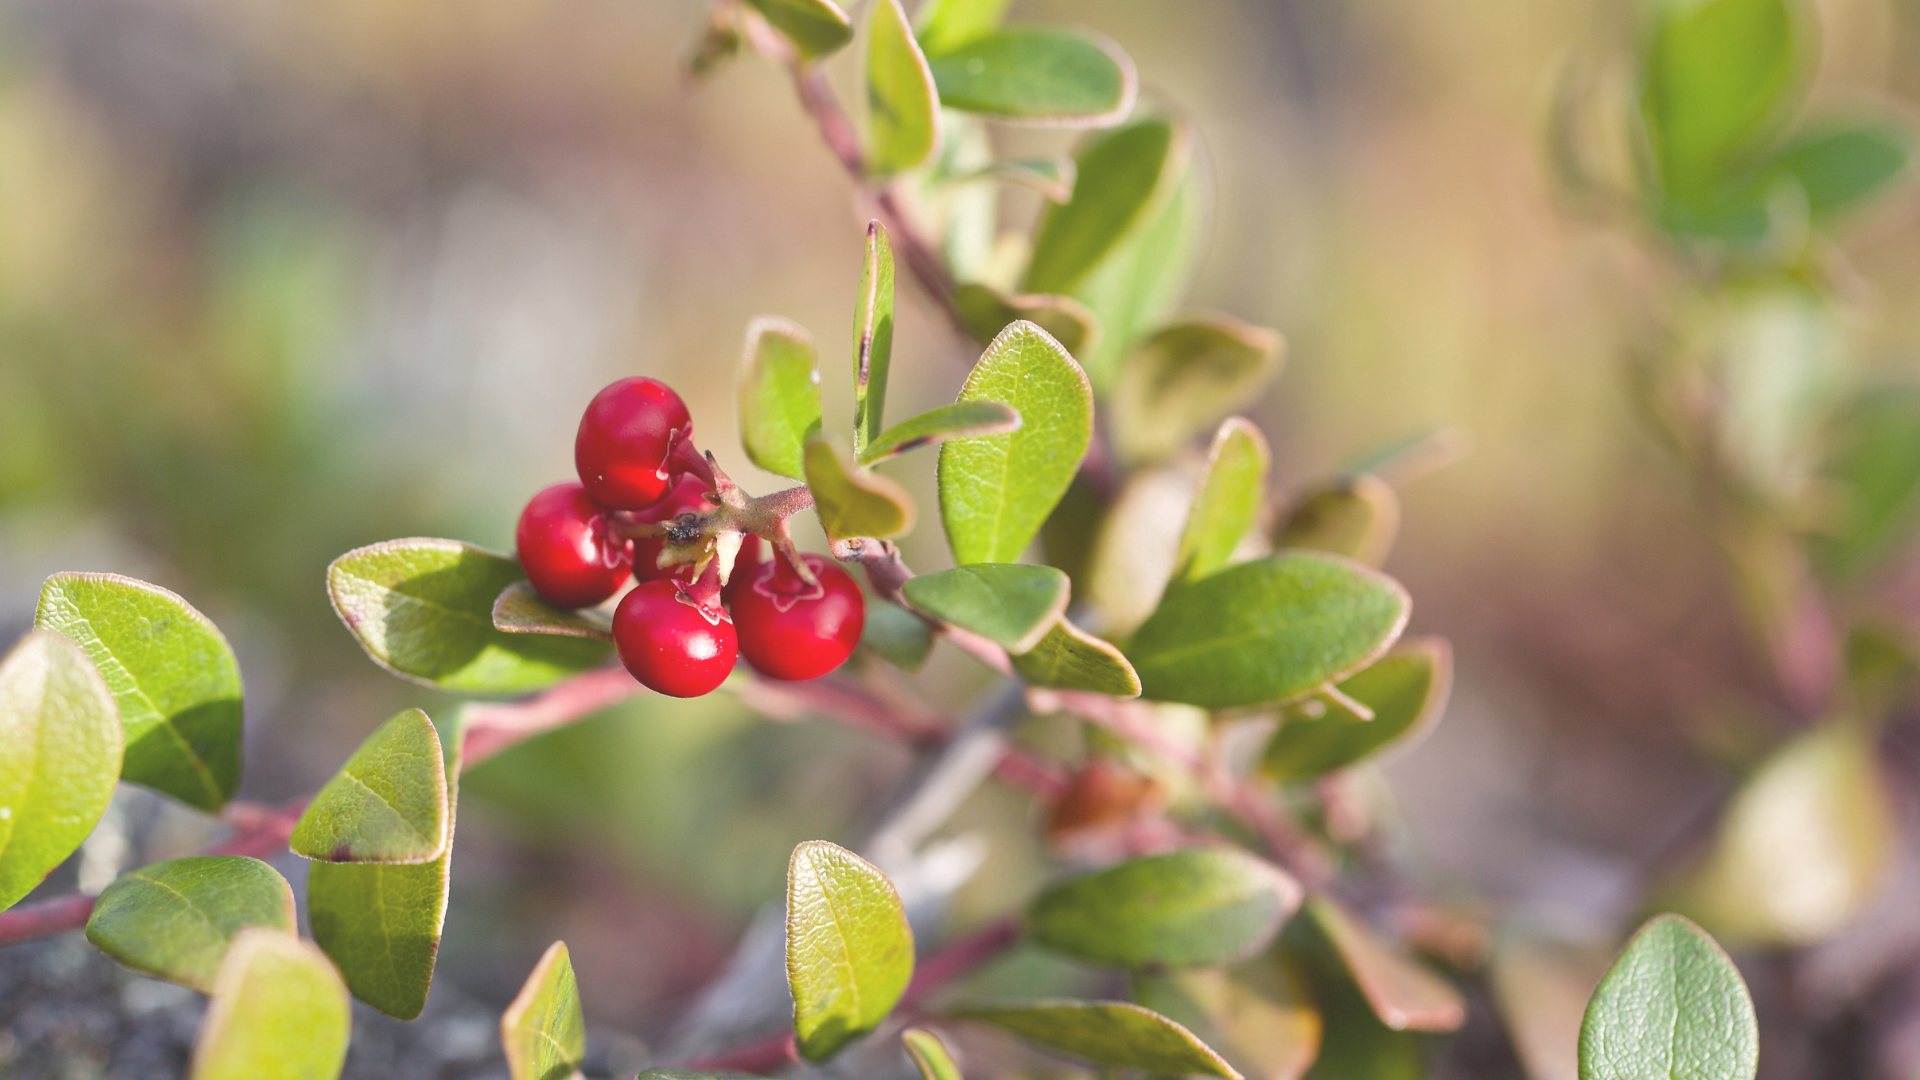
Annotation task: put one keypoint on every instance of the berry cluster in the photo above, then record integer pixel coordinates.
(649, 505)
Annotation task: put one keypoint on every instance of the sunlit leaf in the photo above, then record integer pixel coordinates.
(944, 24)
(278, 1013)
(850, 500)
(872, 338)
(1185, 378)
(903, 108)
(1671, 1005)
(1119, 180)
(987, 312)
(816, 27)
(1407, 691)
(543, 1032)
(896, 635)
(960, 420)
(174, 920)
(1011, 604)
(387, 804)
(172, 674)
(779, 395)
(849, 948)
(1037, 75)
(1269, 1032)
(521, 610)
(1069, 658)
(1355, 516)
(1115, 1033)
(1403, 993)
(1718, 74)
(1198, 907)
(930, 1055)
(1231, 493)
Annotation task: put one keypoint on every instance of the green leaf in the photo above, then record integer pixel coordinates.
(852, 501)
(946, 24)
(521, 610)
(1260, 1019)
(1115, 1033)
(1185, 378)
(987, 312)
(960, 420)
(1876, 475)
(1407, 691)
(849, 948)
(1135, 288)
(278, 1013)
(896, 635)
(60, 745)
(1037, 75)
(1267, 630)
(1673, 1005)
(542, 1031)
(171, 673)
(1355, 516)
(387, 804)
(1404, 995)
(903, 108)
(1118, 180)
(1841, 168)
(423, 609)
(1011, 604)
(1718, 75)
(1069, 658)
(1052, 177)
(930, 1055)
(779, 395)
(1353, 1041)
(174, 920)
(872, 338)
(996, 491)
(816, 27)
(1231, 493)
(1197, 907)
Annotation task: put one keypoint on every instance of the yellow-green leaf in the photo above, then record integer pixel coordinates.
(542, 1031)
(930, 1055)
(174, 920)
(872, 338)
(1069, 658)
(521, 610)
(960, 420)
(816, 27)
(1037, 75)
(1119, 179)
(1183, 379)
(1718, 76)
(1407, 691)
(1231, 492)
(943, 24)
(849, 948)
(1197, 907)
(779, 395)
(987, 312)
(1355, 516)
(278, 1012)
(903, 108)
(387, 804)
(1115, 1033)
(852, 501)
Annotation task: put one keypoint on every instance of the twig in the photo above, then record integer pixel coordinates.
(493, 728)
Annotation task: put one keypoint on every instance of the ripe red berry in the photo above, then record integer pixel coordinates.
(566, 550)
(689, 495)
(671, 644)
(791, 630)
(625, 437)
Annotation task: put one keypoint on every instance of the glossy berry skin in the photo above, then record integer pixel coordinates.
(670, 644)
(624, 440)
(565, 549)
(690, 494)
(790, 630)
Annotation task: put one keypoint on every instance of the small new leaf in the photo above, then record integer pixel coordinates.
(816, 27)
(872, 337)
(987, 312)
(903, 108)
(849, 948)
(1672, 1005)
(850, 500)
(930, 1055)
(60, 746)
(1404, 995)
(1069, 658)
(174, 920)
(1119, 179)
(278, 1012)
(387, 804)
(542, 1031)
(1355, 516)
(1184, 378)
(1199, 907)
(172, 675)
(1011, 604)
(521, 610)
(1407, 691)
(779, 395)
(960, 420)
(1038, 75)
(1228, 503)
(1114, 1033)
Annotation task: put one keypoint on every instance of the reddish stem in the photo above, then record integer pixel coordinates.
(493, 728)
(961, 958)
(44, 918)
(762, 1055)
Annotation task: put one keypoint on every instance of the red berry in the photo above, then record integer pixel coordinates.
(625, 437)
(671, 644)
(689, 495)
(791, 630)
(566, 550)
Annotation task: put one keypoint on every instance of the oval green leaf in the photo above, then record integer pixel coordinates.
(1185, 378)
(1718, 75)
(930, 1055)
(1011, 604)
(945, 24)
(1407, 691)
(1672, 1005)
(1069, 658)
(896, 635)
(872, 337)
(172, 674)
(1119, 180)
(779, 395)
(60, 745)
(520, 610)
(1267, 630)
(278, 1013)
(1037, 75)
(1355, 516)
(387, 804)
(849, 948)
(1198, 907)
(423, 609)
(1116, 1033)
(960, 420)
(987, 312)
(816, 27)
(903, 108)
(1232, 491)
(542, 1031)
(174, 920)
(852, 501)
(995, 492)
(1136, 287)
(1404, 995)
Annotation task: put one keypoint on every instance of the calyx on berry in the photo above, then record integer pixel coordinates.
(792, 628)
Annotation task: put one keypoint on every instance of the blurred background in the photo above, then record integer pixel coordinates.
(278, 280)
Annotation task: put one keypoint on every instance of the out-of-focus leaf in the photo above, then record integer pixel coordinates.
(387, 804)
(1355, 516)
(278, 1013)
(960, 420)
(930, 1055)
(1268, 1033)
(1406, 459)
(987, 312)
(1115, 1033)
(968, 213)
(850, 500)
(1266, 630)
(1882, 664)
(1843, 167)
(172, 674)
(896, 635)
(423, 609)
(543, 1032)
(521, 610)
(1069, 658)
(1718, 75)
(1198, 907)
(1673, 1004)
(1136, 288)
(1876, 472)
(996, 491)
(1038, 75)
(719, 42)
(1804, 846)
(1540, 990)
(946, 24)
(1185, 378)
(1067, 538)
(1051, 177)
(1407, 691)
(816, 27)
(1403, 993)
(1011, 604)
(173, 920)
(872, 338)
(903, 108)
(779, 395)
(60, 746)
(849, 948)
(1119, 180)
(1231, 491)
(1779, 356)
(1136, 547)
